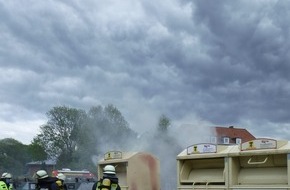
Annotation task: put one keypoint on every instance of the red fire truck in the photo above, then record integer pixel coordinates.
(75, 175)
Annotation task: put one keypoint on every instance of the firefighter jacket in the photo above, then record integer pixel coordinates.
(3, 186)
(48, 183)
(8, 183)
(61, 184)
(108, 182)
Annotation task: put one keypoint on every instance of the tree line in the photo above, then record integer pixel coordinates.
(76, 139)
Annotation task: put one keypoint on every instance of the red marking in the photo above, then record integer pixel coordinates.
(133, 186)
(151, 163)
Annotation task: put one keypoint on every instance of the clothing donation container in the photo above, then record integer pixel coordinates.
(260, 164)
(135, 170)
(203, 166)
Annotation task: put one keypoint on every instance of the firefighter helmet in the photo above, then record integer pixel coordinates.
(109, 169)
(61, 176)
(40, 174)
(6, 175)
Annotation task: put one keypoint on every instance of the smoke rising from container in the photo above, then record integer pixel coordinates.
(165, 147)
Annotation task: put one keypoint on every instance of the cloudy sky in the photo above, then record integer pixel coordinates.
(200, 62)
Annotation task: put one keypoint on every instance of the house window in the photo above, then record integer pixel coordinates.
(238, 140)
(213, 140)
(226, 140)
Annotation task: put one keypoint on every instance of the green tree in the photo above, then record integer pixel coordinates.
(36, 151)
(105, 129)
(117, 124)
(59, 135)
(13, 156)
(162, 140)
(163, 124)
(73, 136)
(109, 128)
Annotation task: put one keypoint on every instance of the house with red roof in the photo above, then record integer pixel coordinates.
(230, 135)
(33, 167)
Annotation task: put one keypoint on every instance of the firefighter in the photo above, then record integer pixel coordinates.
(109, 180)
(60, 181)
(45, 182)
(6, 182)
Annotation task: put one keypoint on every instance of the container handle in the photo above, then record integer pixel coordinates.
(261, 162)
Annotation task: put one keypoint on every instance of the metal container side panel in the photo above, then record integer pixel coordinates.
(125, 157)
(265, 176)
(102, 164)
(182, 153)
(121, 170)
(260, 152)
(260, 167)
(283, 147)
(222, 151)
(236, 151)
(202, 170)
(283, 144)
(144, 172)
(198, 168)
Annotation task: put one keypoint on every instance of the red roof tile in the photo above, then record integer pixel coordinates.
(233, 133)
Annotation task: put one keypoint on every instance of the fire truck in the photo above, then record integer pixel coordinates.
(75, 175)
(77, 179)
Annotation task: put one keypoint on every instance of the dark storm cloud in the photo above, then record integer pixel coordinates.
(222, 62)
(245, 75)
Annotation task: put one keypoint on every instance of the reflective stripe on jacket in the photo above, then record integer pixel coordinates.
(113, 186)
(3, 186)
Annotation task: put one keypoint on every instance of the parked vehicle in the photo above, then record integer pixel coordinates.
(75, 175)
